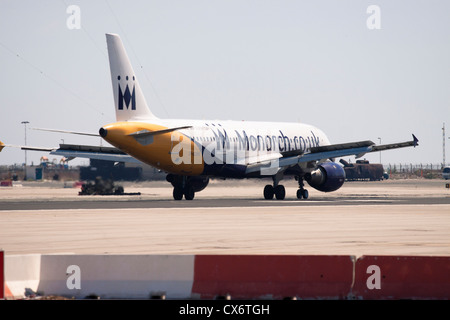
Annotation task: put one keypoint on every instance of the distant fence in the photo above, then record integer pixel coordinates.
(409, 167)
(424, 170)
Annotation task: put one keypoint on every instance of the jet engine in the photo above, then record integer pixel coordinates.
(329, 176)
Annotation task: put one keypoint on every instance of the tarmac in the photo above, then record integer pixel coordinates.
(392, 217)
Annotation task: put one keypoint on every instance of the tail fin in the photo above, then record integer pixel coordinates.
(129, 101)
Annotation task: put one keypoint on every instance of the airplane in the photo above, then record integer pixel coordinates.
(193, 151)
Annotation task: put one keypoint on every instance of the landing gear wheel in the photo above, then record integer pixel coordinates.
(268, 192)
(280, 192)
(305, 194)
(177, 193)
(189, 193)
(302, 194)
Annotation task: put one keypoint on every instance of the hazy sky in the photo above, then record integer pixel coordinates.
(315, 62)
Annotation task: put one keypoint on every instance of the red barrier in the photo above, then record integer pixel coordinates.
(6, 183)
(272, 276)
(2, 275)
(402, 277)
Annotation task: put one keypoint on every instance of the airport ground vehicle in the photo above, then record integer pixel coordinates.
(446, 173)
(363, 170)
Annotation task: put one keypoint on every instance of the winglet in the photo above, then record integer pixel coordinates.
(416, 141)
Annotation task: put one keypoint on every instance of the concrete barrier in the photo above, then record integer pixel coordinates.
(115, 276)
(402, 277)
(273, 276)
(22, 274)
(239, 276)
(106, 276)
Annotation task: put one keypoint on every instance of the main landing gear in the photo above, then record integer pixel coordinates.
(186, 186)
(187, 191)
(276, 190)
(181, 187)
(279, 191)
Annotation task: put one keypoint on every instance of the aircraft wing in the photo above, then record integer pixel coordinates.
(323, 153)
(357, 149)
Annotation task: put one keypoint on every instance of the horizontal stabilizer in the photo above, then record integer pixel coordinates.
(146, 133)
(72, 151)
(93, 152)
(70, 132)
(2, 145)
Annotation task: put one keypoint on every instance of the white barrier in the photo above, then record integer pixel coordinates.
(107, 276)
(22, 272)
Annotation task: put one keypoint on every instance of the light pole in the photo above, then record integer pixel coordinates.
(25, 167)
(443, 145)
(380, 151)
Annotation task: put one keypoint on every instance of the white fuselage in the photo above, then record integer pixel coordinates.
(251, 136)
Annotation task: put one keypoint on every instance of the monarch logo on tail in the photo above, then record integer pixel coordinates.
(127, 96)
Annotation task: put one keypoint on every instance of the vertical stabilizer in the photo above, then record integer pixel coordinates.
(129, 101)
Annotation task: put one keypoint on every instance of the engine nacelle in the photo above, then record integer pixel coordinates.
(330, 176)
(197, 182)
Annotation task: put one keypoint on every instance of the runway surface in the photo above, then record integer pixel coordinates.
(394, 217)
